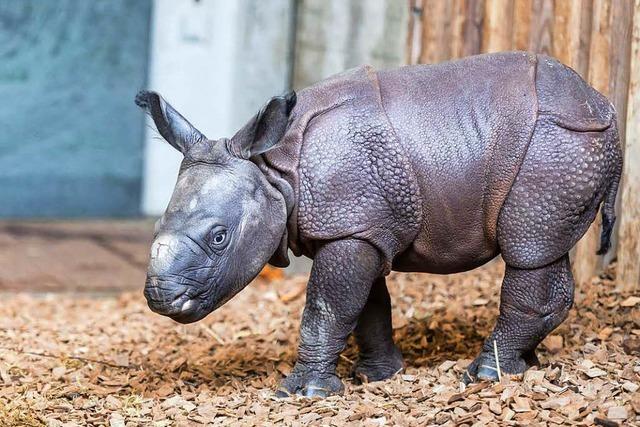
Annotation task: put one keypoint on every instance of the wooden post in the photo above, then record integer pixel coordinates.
(498, 25)
(473, 27)
(586, 263)
(522, 14)
(564, 32)
(541, 37)
(414, 35)
(458, 20)
(629, 231)
(572, 33)
(620, 58)
(585, 9)
(436, 31)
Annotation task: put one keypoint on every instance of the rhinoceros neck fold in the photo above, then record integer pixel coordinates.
(279, 168)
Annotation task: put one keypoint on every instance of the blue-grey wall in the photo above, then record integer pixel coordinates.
(70, 135)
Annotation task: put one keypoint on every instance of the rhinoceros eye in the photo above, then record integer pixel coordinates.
(219, 237)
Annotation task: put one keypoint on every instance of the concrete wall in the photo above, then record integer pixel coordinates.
(71, 140)
(334, 35)
(217, 62)
(70, 135)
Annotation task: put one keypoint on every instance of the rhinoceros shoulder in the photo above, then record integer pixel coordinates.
(354, 177)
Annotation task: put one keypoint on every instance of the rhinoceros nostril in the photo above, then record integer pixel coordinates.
(166, 299)
(153, 292)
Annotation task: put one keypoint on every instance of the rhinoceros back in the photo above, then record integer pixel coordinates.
(466, 126)
(419, 160)
(567, 100)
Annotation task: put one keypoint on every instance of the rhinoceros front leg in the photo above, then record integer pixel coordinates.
(533, 303)
(379, 357)
(341, 278)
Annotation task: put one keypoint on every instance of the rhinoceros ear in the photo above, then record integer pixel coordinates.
(172, 126)
(265, 129)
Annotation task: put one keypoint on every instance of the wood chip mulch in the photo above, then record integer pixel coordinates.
(73, 360)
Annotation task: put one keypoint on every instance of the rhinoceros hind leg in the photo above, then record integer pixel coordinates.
(533, 303)
(379, 357)
(555, 197)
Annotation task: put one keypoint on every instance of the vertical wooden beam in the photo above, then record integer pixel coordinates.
(473, 27)
(586, 263)
(620, 57)
(522, 14)
(600, 46)
(541, 36)
(498, 25)
(586, 22)
(629, 231)
(446, 35)
(458, 20)
(566, 31)
(571, 33)
(571, 36)
(436, 31)
(414, 34)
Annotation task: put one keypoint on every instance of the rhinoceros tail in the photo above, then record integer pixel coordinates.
(608, 220)
(608, 208)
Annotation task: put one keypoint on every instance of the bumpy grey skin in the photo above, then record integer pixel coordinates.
(422, 168)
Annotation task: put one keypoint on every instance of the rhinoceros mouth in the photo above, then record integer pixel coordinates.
(183, 309)
(190, 315)
(162, 304)
(170, 299)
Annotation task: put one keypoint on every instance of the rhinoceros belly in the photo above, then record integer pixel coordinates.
(465, 126)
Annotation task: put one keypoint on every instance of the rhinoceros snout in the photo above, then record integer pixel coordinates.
(172, 300)
(164, 253)
(165, 299)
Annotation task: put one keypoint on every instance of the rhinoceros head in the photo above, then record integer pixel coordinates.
(224, 221)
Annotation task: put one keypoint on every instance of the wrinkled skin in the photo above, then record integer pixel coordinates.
(222, 209)
(422, 168)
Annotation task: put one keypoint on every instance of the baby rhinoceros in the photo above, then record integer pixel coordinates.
(425, 168)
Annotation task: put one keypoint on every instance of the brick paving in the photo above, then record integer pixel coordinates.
(75, 256)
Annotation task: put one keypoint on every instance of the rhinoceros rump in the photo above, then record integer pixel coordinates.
(429, 168)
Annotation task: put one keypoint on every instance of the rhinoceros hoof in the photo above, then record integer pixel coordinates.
(382, 367)
(310, 384)
(484, 367)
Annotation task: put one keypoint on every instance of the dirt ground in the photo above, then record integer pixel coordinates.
(70, 358)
